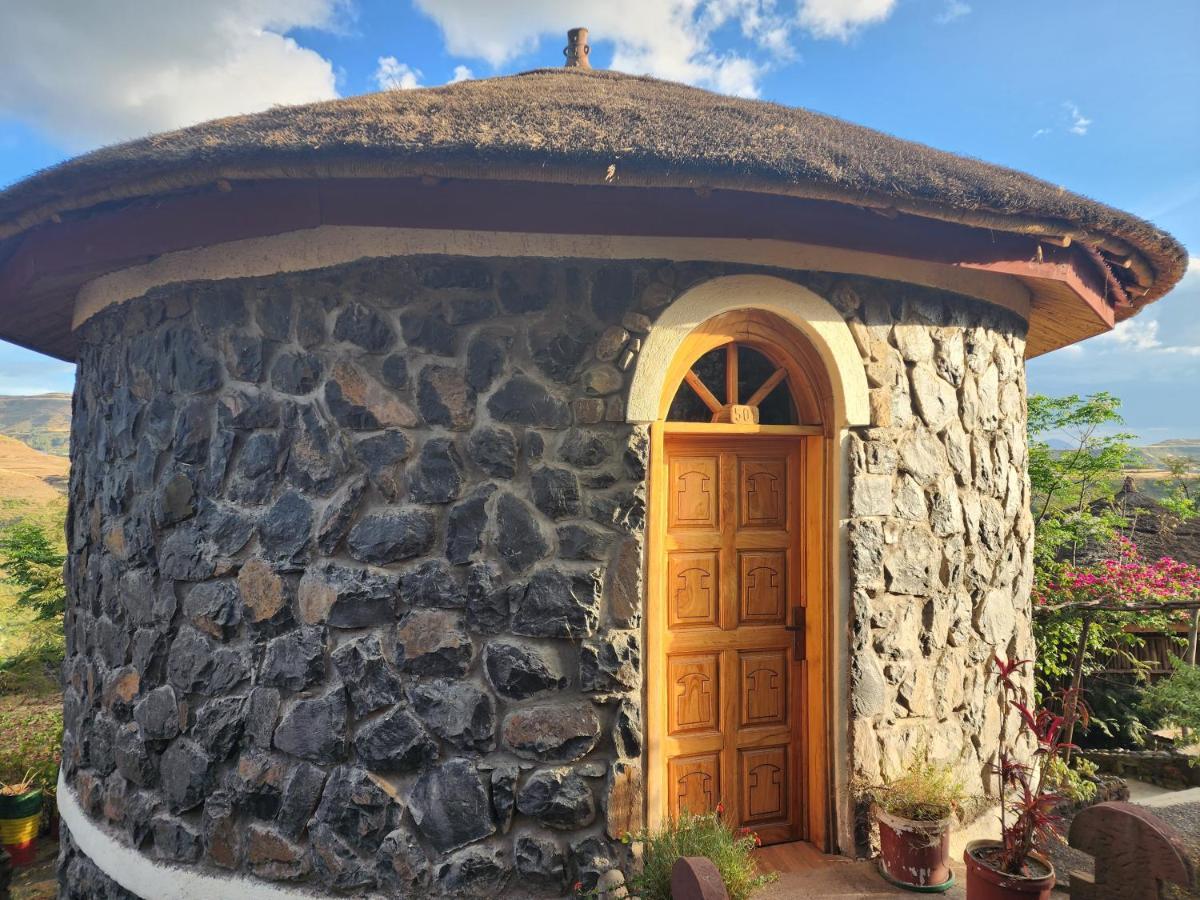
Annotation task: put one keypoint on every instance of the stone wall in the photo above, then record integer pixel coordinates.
(355, 570)
(940, 530)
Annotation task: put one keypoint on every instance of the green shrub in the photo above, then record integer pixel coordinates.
(927, 792)
(1176, 701)
(1074, 780)
(708, 836)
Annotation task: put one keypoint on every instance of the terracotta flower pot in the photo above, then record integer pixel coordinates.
(20, 818)
(914, 854)
(985, 883)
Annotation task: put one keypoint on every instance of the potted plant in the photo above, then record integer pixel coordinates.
(1016, 867)
(914, 813)
(20, 819)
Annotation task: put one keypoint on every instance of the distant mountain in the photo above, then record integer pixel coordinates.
(43, 421)
(29, 477)
(1157, 453)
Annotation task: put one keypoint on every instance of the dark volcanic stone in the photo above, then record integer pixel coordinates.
(611, 662)
(256, 783)
(335, 864)
(186, 774)
(474, 872)
(346, 598)
(274, 316)
(296, 373)
(433, 642)
(158, 714)
(193, 427)
(395, 742)
(132, 759)
(466, 524)
(559, 349)
(552, 733)
(504, 794)
(186, 556)
(522, 401)
(612, 292)
(485, 359)
(299, 796)
(219, 724)
(369, 679)
(262, 714)
(394, 372)
(317, 459)
(627, 730)
(583, 542)
(437, 474)
(244, 356)
(334, 522)
(271, 856)
(214, 607)
(558, 798)
(356, 808)
(559, 604)
(450, 806)
(519, 672)
(488, 603)
(391, 537)
(286, 527)
(365, 327)
(520, 541)
(495, 451)
(457, 712)
(591, 857)
(428, 331)
(310, 323)
(624, 584)
(197, 665)
(556, 492)
(431, 584)
(525, 290)
(175, 500)
(222, 836)
(540, 862)
(359, 402)
(250, 409)
(402, 864)
(315, 729)
(382, 455)
(295, 660)
(175, 840)
(584, 449)
(465, 310)
(445, 398)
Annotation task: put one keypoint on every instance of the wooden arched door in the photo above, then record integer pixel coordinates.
(736, 566)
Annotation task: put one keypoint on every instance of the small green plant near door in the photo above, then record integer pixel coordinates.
(705, 835)
(1175, 700)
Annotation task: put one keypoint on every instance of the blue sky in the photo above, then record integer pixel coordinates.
(1102, 97)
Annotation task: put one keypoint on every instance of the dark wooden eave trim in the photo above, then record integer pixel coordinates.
(41, 273)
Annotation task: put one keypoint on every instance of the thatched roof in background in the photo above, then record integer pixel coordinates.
(582, 127)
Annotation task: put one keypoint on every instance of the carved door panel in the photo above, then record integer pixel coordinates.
(733, 563)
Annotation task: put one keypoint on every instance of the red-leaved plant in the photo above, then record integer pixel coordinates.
(1028, 821)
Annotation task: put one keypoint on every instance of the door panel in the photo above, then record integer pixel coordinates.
(734, 558)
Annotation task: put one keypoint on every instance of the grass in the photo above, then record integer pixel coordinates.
(31, 740)
(707, 835)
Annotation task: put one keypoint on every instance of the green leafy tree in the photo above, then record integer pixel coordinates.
(1176, 701)
(34, 565)
(1066, 483)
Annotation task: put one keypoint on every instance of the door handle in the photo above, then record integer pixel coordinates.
(798, 628)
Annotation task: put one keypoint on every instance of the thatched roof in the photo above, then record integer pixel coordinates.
(592, 127)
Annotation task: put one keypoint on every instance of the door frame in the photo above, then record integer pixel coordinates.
(817, 725)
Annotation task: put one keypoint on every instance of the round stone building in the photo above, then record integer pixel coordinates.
(463, 478)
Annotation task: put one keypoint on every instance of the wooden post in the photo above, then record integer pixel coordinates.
(1076, 679)
(1192, 638)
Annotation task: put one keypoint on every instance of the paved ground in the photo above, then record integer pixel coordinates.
(38, 881)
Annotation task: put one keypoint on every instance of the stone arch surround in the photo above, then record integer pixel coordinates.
(198, 544)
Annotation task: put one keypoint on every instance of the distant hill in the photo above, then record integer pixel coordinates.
(43, 421)
(1155, 454)
(29, 479)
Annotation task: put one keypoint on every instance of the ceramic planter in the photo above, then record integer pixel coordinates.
(20, 817)
(985, 883)
(914, 854)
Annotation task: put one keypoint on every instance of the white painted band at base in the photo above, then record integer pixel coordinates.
(150, 878)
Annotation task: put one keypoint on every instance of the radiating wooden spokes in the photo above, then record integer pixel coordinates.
(732, 410)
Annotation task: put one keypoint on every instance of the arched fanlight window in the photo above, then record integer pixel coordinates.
(748, 367)
(734, 383)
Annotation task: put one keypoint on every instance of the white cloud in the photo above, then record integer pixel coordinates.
(672, 39)
(842, 18)
(1141, 335)
(1079, 122)
(88, 73)
(461, 73)
(952, 12)
(1040, 132)
(393, 75)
